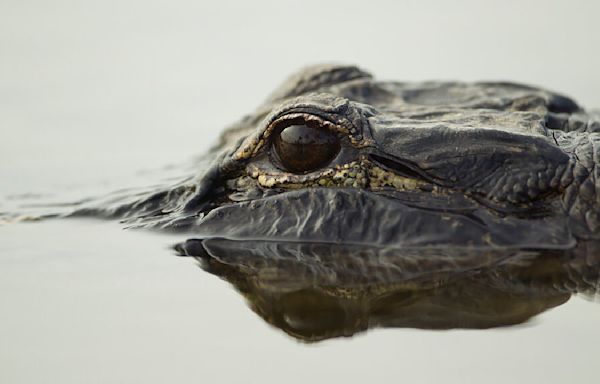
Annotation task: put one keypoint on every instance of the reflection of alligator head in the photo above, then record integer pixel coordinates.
(319, 291)
(336, 156)
(356, 203)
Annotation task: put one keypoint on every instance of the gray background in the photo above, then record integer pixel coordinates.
(91, 88)
(93, 92)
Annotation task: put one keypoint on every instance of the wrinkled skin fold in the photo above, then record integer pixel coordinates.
(483, 165)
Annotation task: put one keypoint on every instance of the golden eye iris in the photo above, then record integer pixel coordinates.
(302, 148)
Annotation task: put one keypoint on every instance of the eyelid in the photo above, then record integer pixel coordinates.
(253, 144)
(304, 118)
(335, 113)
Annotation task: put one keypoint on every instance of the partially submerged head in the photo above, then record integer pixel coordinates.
(336, 156)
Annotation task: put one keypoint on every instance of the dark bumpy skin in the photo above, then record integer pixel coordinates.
(345, 203)
(433, 163)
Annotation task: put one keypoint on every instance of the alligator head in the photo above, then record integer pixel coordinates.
(336, 156)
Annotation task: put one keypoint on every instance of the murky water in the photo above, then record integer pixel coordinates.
(93, 95)
(84, 301)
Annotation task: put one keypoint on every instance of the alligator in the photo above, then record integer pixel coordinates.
(344, 202)
(336, 156)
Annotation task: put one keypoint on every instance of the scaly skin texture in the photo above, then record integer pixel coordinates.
(443, 205)
(420, 164)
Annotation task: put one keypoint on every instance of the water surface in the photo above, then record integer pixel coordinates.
(95, 94)
(85, 301)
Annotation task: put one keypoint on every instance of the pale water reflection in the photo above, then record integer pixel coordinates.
(85, 301)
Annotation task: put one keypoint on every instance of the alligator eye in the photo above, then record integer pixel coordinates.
(303, 148)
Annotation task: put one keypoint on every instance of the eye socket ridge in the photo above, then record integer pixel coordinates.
(301, 145)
